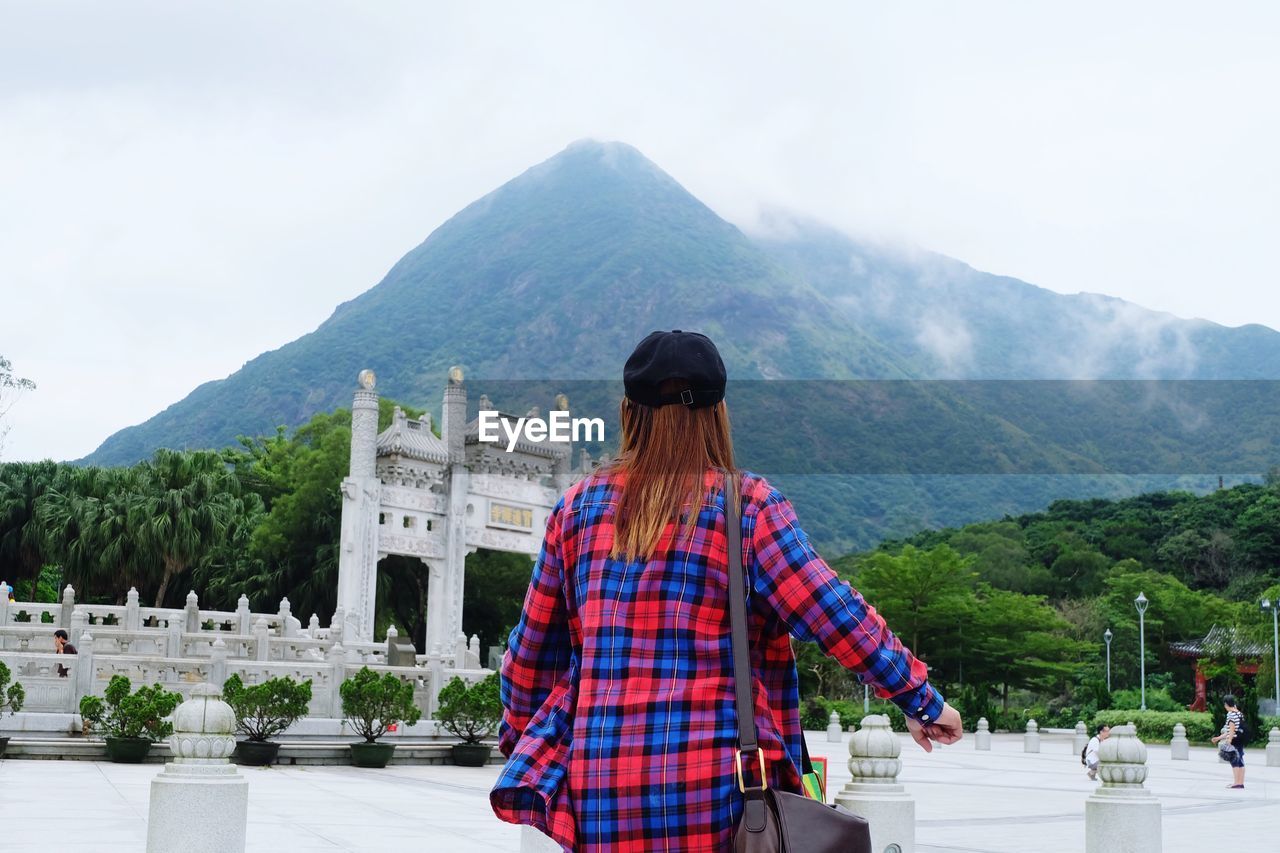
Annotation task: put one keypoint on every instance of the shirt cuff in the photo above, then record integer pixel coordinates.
(923, 704)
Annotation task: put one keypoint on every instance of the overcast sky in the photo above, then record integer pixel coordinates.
(183, 185)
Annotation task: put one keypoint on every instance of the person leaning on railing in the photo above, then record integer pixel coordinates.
(62, 645)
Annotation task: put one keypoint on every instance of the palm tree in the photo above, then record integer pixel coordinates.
(22, 484)
(188, 503)
(90, 522)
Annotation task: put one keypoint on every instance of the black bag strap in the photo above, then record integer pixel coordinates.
(743, 685)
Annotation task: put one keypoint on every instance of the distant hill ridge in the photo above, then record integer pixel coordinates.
(559, 271)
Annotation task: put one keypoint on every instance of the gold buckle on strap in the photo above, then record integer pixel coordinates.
(737, 766)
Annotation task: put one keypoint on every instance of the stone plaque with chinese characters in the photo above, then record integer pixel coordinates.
(509, 516)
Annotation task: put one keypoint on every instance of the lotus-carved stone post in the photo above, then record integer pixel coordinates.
(1121, 814)
(874, 792)
(199, 803)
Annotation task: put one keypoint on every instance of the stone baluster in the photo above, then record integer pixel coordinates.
(834, 733)
(1080, 739)
(288, 625)
(192, 612)
(435, 681)
(460, 651)
(982, 737)
(79, 622)
(1179, 748)
(132, 611)
(874, 792)
(473, 652)
(1273, 747)
(1121, 814)
(262, 639)
(68, 607)
(337, 659)
(199, 802)
(244, 618)
(218, 663)
(392, 634)
(84, 671)
(313, 627)
(336, 624)
(1031, 740)
(5, 589)
(173, 634)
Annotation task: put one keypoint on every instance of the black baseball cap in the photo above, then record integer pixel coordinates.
(688, 356)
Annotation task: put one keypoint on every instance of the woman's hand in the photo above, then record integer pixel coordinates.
(947, 729)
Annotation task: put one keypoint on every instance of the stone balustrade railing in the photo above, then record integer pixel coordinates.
(181, 648)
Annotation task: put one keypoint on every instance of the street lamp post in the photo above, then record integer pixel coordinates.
(1141, 603)
(1274, 607)
(1107, 635)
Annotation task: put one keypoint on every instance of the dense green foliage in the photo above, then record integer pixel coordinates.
(471, 712)
(371, 705)
(12, 696)
(267, 709)
(120, 713)
(1157, 726)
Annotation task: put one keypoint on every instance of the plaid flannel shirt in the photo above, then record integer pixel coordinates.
(619, 725)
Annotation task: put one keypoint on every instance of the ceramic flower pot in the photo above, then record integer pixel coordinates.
(371, 754)
(471, 754)
(127, 750)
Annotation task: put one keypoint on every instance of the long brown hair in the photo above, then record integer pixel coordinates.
(664, 457)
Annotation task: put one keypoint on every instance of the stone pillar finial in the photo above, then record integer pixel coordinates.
(1031, 740)
(1080, 739)
(68, 608)
(199, 801)
(874, 792)
(834, 733)
(982, 735)
(1121, 814)
(1179, 748)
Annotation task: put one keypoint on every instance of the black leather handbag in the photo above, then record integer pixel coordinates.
(773, 821)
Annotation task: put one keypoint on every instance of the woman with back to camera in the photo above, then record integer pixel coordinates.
(619, 723)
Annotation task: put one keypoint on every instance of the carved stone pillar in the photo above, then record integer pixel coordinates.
(874, 792)
(361, 498)
(1121, 814)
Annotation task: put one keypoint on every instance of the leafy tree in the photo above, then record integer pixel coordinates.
(22, 545)
(926, 597)
(267, 709)
(1020, 641)
(471, 713)
(187, 504)
(371, 704)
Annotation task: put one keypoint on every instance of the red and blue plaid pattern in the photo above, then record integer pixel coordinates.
(619, 724)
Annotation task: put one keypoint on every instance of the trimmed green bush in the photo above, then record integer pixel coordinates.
(372, 705)
(140, 714)
(470, 712)
(815, 713)
(1157, 726)
(1157, 700)
(11, 695)
(267, 709)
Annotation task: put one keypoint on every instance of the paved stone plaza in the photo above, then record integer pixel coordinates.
(1003, 801)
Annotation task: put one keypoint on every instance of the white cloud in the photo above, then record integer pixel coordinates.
(185, 187)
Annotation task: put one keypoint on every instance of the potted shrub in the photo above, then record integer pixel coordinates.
(371, 705)
(264, 711)
(11, 698)
(130, 721)
(470, 713)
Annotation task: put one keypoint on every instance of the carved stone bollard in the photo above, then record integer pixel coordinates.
(834, 733)
(1121, 814)
(874, 792)
(1080, 739)
(199, 803)
(1273, 747)
(1179, 748)
(982, 736)
(1031, 740)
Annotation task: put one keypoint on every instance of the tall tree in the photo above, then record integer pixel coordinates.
(22, 545)
(188, 503)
